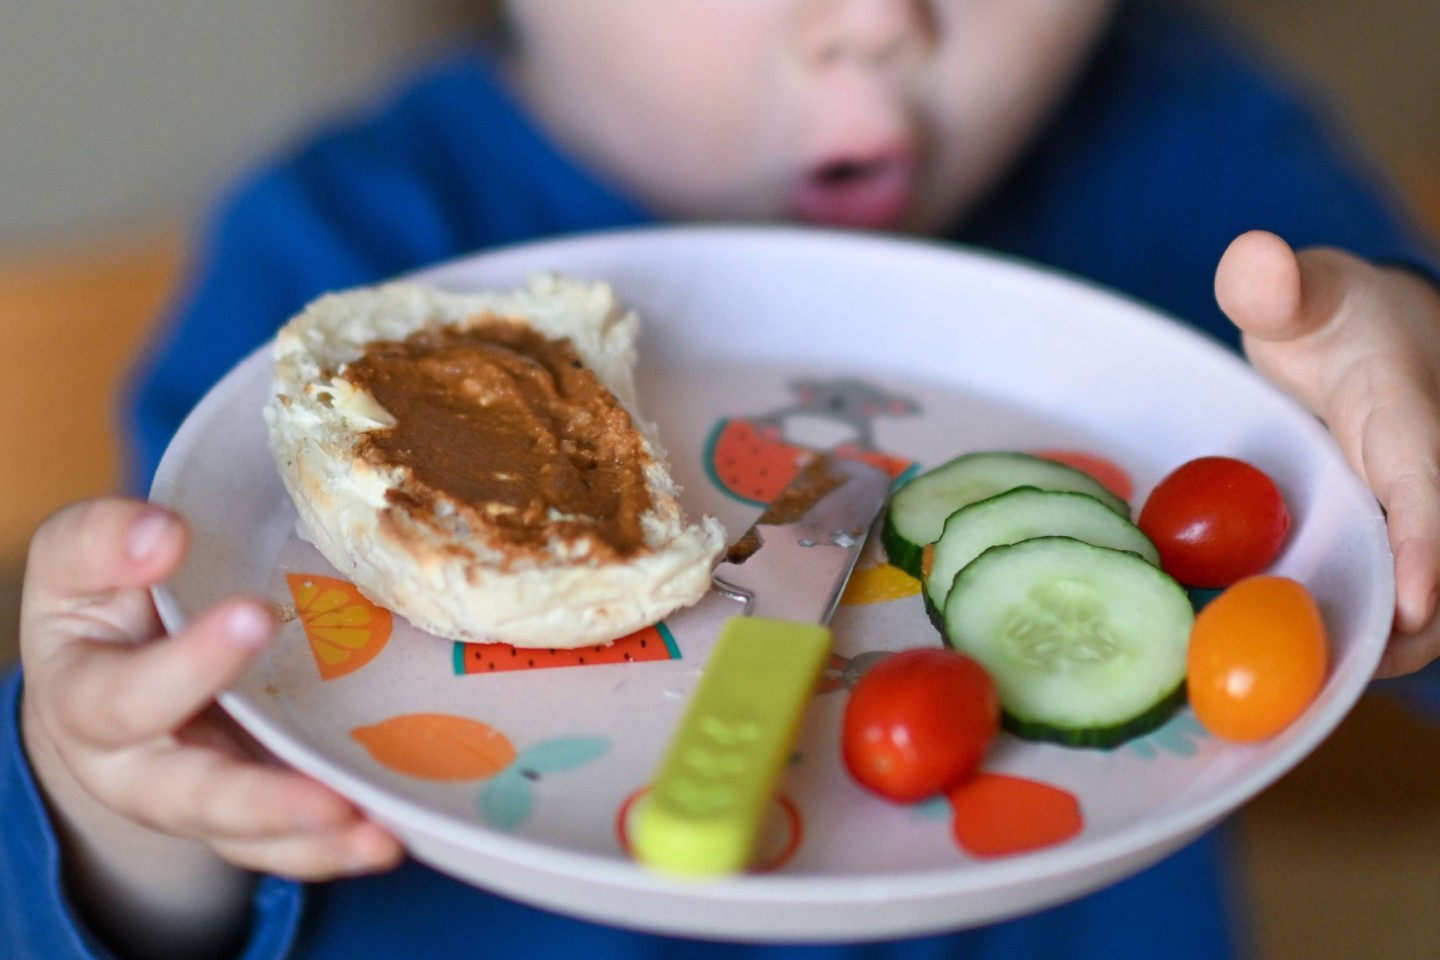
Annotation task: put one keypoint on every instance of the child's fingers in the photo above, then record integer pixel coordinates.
(1357, 345)
(1417, 567)
(1399, 454)
(119, 704)
(1291, 310)
(100, 546)
(357, 848)
(110, 695)
(203, 794)
(1272, 294)
(257, 817)
(88, 574)
(1408, 653)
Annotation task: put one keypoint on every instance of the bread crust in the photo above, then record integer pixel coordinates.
(431, 569)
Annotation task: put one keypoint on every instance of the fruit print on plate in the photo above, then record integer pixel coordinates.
(755, 342)
(344, 628)
(752, 458)
(881, 611)
(654, 642)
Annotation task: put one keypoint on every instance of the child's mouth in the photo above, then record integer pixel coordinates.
(865, 194)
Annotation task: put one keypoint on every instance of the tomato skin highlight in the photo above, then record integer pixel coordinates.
(1258, 657)
(1215, 520)
(918, 723)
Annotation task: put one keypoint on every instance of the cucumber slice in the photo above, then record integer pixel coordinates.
(1021, 514)
(918, 509)
(1086, 644)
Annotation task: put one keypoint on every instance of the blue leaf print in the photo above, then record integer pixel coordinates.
(935, 808)
(1200, 597)
(561, 753)
(1182, 737)
(506, 799)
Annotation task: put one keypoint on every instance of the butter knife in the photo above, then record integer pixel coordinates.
(706, 804)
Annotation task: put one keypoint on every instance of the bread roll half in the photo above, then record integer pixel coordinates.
(419, 549)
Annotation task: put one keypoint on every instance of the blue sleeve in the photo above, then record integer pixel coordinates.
(36, 919)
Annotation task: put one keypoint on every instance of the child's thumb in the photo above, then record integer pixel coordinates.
(1273, 294)
(99, 546)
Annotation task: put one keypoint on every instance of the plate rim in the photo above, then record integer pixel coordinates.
(1186, 821)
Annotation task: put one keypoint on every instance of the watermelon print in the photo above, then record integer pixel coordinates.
(752, 458)
(749, 461)
(650, 643)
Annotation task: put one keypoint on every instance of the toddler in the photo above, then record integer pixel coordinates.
(1135, 144)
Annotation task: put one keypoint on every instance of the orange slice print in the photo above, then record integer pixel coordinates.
(345, 630)
(437, 746)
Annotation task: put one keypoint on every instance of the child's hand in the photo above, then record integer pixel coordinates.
(1360, 346)
(128, 746)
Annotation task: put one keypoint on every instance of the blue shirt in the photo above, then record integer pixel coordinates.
(1172, 144)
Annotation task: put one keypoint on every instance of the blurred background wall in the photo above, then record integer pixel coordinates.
(119, 120)
(122, 114)
(1376, 62)
(118, 114)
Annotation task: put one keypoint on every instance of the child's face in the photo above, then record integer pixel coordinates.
(886, 114)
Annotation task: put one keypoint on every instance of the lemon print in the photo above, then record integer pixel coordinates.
(879, 584)
(437, 746)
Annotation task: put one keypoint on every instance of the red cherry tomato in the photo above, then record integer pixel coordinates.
(1257, 658)
(1215, 520)
(919, 722)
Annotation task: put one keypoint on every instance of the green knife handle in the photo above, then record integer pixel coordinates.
(704, 811)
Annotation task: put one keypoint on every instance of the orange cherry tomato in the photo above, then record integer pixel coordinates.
(1258, 657)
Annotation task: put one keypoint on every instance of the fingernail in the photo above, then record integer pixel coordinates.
(247, 626)
(1418, 616)
(147, 532)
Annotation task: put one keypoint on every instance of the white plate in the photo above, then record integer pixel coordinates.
(994, 355)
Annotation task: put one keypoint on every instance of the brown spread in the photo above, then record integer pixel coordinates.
(511, 428)
(817, 478)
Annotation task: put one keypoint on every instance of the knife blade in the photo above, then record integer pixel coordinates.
(708, 800)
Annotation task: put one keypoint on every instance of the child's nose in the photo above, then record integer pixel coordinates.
(872, 32)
